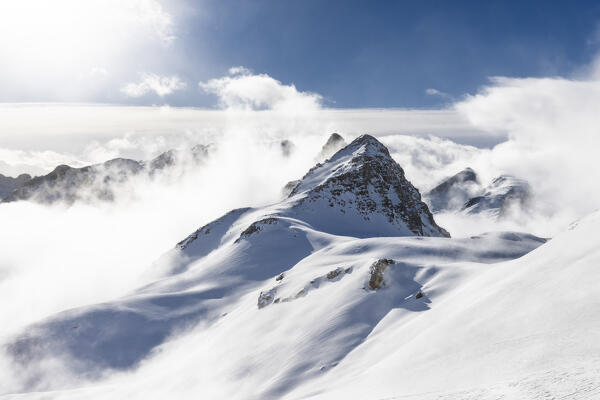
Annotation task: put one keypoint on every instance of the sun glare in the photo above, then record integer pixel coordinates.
(49, 39)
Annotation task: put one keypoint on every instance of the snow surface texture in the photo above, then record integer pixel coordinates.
(263, 304)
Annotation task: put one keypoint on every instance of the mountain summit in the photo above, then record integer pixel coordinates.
(370, 191)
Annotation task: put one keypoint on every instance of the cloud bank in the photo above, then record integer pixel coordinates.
(551, 124)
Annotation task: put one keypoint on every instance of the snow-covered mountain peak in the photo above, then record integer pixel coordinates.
(362, 153)
(370, 191)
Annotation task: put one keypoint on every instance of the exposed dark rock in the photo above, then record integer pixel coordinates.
(206, 229)
(256, 227)
(266, 298)
(335, 273)
(377, 271)
(419, 295)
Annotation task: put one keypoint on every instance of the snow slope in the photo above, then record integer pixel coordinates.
(203, 331)
(523, 329)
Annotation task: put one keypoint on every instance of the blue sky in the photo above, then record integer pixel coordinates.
(387, 53)
(353, 53)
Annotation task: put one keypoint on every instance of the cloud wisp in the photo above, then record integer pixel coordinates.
(159, 85)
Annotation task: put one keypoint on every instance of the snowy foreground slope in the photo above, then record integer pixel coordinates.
(346, 289)
(523, 329)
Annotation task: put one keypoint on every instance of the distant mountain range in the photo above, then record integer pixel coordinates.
(93, 182)
(463, 192)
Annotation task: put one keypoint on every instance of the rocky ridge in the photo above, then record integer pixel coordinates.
(98, 181)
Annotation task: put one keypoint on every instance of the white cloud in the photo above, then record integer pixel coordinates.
(161, 85)
(439, 93)
(75, 131)
(553, 140)
(247, 91)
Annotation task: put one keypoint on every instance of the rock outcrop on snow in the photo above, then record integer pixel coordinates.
(376, 272)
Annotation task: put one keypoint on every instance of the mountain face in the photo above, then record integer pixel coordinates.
(97, 182)
(454, 192)
(8, 184)
(368, 189)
